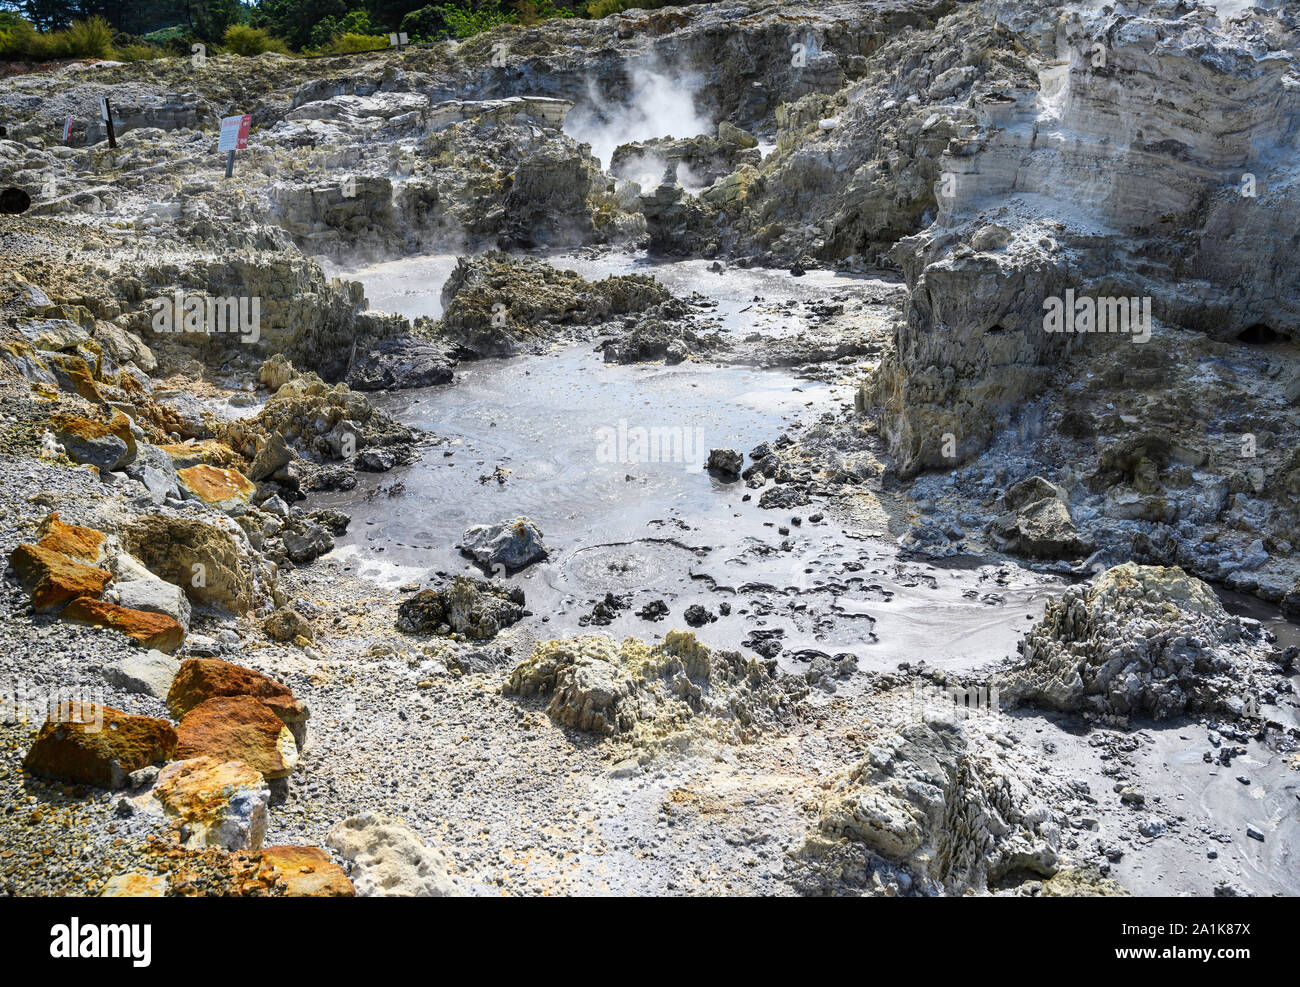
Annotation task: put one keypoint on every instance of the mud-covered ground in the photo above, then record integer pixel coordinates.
(671, 492)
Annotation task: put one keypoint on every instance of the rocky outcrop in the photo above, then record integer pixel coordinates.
(697, 161)
(205, 561)
(493, 304)
(97, 745)
(677, 223)
(645, 694)
(319, 422)
(399, 362)
(922, 798)
(238, 728)
(513, 544)
(1142, 641)
(387, 859)
(1076, 208)
(483, 173)
(311, 319)
(855, 171)
(201, 679)
(477, 608)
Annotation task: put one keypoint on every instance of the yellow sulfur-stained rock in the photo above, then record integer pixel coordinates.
(98, 745)
(304, 872)
(224, 489)
(135, 885)
(238, 728)
(51, 578)
(74, 375)
(208, 452)
(153, 630)
(106, 445)
(178, 548)
(83, 544)
(219, 803)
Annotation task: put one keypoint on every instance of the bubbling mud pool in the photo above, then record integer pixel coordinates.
(552, 436)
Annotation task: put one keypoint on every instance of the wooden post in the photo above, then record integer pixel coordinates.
(106, 111)
(230, 163)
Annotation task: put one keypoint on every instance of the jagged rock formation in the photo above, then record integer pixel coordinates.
(923, 799)
(1143, 641)
(477, 608)
(856, 169)
(478, 174)
(647, 694)
(698, 161)
(211, 563)
(1083, 178)
(493, 303)
(1037, 521)
(320, 422)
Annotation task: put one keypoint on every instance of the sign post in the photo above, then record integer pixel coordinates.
(106, 112)
(234, 137)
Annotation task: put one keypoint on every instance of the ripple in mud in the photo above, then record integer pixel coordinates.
(627, 565)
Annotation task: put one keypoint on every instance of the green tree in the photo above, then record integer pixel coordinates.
(427, 24)
(328, 28)
(208, 19)
(293, 20)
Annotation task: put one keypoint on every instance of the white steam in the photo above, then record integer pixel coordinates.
(658, 104)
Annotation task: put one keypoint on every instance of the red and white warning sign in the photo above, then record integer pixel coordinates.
(234, 133)
(67, 130)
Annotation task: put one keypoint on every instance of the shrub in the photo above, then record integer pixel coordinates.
(92, 38)
(18, 39)
(240, 39)
(603, 8)
(350, 42)
(136, 52)
(467, 23)
(133, 48)
(329, 28)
